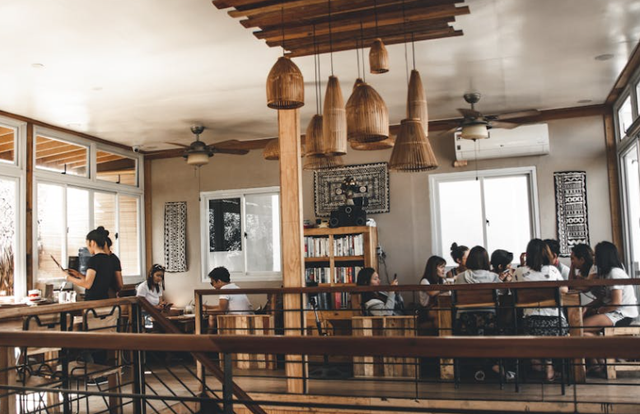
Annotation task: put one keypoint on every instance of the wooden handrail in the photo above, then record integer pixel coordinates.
(442, 347)
(13, 313)
(424, 288)
(201, 357)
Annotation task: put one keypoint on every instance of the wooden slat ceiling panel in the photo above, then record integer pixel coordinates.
(351, 22)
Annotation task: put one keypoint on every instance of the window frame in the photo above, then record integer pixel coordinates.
(435, 179)
(91, 184)
(246, 276)
(17, 171)
(624, 195)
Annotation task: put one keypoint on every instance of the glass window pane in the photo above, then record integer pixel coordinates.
(508, 213)
(7, 144)
(116, 168)
(263, 232)
(104, 210)
(77, 221)
(460, 214)
(8, 225)
(625, 117)
(128, 242)
(61, 156)
(632, 190)
(225, 234)
(50, 230)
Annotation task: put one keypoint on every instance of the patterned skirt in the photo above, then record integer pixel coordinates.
(545, 326)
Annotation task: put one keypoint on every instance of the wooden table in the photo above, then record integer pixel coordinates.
(574, 313)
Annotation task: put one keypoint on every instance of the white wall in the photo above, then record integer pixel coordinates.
(404, 233)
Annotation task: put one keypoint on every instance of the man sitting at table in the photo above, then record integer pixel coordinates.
(229, 304)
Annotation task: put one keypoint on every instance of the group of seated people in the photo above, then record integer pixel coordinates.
(613, 305)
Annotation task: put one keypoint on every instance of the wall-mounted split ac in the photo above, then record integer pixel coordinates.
(523, 141)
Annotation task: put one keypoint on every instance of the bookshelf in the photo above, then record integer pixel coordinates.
(333, 256)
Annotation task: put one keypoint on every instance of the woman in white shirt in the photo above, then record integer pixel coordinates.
(153, 288)
(542, 321)
(434, 274)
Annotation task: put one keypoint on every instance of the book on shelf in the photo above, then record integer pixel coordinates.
(346, 274)
(349, 245)
(316, 246)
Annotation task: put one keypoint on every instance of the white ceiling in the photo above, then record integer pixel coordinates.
(141, 72)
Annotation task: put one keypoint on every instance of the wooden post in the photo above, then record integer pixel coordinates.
(292, 253)
(148, 225)
(614, 187)
(29, 209)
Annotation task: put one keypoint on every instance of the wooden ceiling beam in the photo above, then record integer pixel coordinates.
(58, 151)
(340, 10)
(63, 158)
(388, 40)
(392, 21)
(126, 164)
(367, 35)
(46, 143)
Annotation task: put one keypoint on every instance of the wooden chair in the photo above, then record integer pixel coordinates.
(614, 366)
(529, 298)
(480, 300)
(38, 366)
(100, 320)
(248, 325)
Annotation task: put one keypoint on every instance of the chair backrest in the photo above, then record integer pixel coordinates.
(469, 299)
(537, 297)
(101, 319)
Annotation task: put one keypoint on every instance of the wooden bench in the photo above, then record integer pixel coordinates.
(612, 365)
(370, 366)
(248, 325)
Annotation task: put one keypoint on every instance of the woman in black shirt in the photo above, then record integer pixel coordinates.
(101, 273)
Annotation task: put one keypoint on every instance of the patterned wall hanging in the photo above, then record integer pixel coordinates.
(175, 236)
(571, 209)
(328, 197)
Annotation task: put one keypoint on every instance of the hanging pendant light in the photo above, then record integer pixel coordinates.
(272, 151)
(334, 125)
(322, 163)
(372, 146)
(285, 85)
(314, 140)
(417, 101)
(378, 57)
(412, 151)
(367, 115)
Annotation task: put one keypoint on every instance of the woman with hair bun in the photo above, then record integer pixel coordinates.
(100, 270)
(459, 255)
(118, 283)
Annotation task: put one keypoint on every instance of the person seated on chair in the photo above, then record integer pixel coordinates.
(501, 264)
(376, 303)
(542, 321)
(228, 303)
(582, 268)
(554, 247)
(434, 274)
(459, 255)
(153, 288)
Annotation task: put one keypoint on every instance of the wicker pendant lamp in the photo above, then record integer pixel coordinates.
(412, 151)
(378, 57)
(372, 146)
(334, 125)
(367, 115)
(314, 141)
(417, 101)
(285, 85)
(322, 163)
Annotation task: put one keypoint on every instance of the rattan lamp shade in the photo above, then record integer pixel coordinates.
(417, 101)
(372, 146)
(412, 151)
(367, 115)
(378, 57)
(314, 141)
(334, 124)
(285, 85)
(322, 162)
(357, 83)
(272, 151)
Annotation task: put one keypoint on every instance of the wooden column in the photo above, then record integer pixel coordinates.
(614, 186)
(291, 219)
(148, 235)
(29, 209)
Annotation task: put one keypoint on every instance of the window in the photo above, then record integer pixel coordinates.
(242, 233)
(497, 210)
(8, 144)
(625, 117)
(631, 195)
(81, 185)
(8, 234)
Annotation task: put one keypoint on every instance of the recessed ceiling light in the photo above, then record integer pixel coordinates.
(37, 65)
(605, 56)
(582, 101)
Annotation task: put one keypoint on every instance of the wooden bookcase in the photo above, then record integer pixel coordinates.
(339, 252)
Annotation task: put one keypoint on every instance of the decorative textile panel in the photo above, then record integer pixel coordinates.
(175, 236)
(571, 209)
(327, 183)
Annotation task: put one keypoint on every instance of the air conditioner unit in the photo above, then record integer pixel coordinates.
(523, 141)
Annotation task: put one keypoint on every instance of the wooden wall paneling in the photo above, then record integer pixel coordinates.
(29, 208)
(292, 237)
(614, 184)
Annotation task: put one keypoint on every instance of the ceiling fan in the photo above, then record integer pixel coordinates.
(198, 153)
(475, 125)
